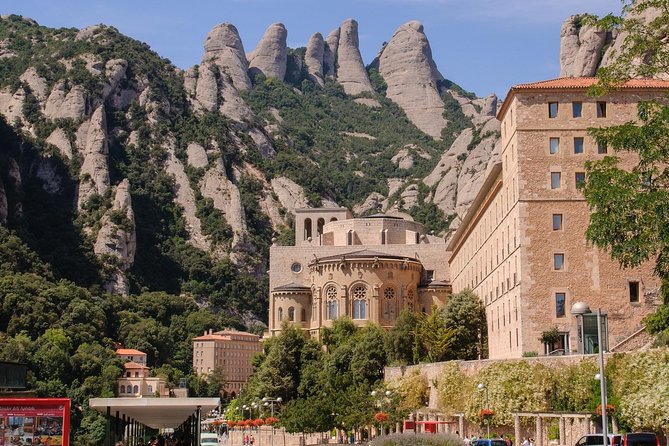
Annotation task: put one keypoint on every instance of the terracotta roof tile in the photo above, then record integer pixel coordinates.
(134, 365)
(128, 351)
(586, 82)
(577, 83)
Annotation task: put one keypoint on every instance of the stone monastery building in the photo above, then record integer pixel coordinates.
(521, 246)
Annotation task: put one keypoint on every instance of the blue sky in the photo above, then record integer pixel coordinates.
(486, 46)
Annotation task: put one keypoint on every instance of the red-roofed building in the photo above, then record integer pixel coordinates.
(136, 381)
(229, 350)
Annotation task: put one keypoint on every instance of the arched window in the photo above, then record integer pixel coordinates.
(319, 226)
(280, 314)
(333, 219)
(303, 315)
(384, 236)
(291, 314)
(349, 237)
(331, 296)
(410, 300)
(150, 388)
(307, 228)
(389, 304)
(359, 302)
(135, 389)
(122, 390)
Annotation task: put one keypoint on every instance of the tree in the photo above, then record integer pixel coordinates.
(401, 339)
(630, 206)
(464, 314)
(435, 337)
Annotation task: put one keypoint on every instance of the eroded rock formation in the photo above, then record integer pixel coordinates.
(581, 46)
(224, 47)
(351, 73)
(270, 56)
(116, 241)
(412, 77)
(313, 58)
(94, 173)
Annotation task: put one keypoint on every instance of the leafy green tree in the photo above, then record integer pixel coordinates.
(401, 339)
(435, 337)
(464, 314)
(630, 206)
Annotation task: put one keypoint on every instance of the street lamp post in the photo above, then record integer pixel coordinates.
(579, 309)
(267, 401)
(483, 387)
(382, 398)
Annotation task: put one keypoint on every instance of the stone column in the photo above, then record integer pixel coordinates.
(563, 439)
(516, 430)
(461, 425)
(539, 440)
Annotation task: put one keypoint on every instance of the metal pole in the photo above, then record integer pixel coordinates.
(487, 405)
(602, 379)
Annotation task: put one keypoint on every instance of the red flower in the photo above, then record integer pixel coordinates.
(610, 408)
(271, 420)
(486, 413)
(258, 422)
(232, 423)
(381, 417)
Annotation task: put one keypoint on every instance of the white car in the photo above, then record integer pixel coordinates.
(208, 439)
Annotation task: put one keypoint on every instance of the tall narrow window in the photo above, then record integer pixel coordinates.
(602, 148)
(331, 296)
(578, 145)
(319, 226)
(554, 145)
(577, 109)
(307, 228)
(280, 314)
(634, 291)
(389, 304)
(558, 262)
(557, 222)
(303, 315)
(555, 180)
(291, 314)
(359, 302)
(552, 109)
(579, 178)
(560, 299)
(349, 237)
(601, 109)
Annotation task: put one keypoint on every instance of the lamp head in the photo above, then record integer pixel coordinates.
(373, 393)
(481, 386)
(580, 308)
(279, 399)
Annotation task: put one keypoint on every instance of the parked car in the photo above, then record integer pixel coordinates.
(641, 439)
(208, 439)
(631, 439)
(489, 442)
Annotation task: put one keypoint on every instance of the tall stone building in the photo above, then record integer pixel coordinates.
(230, 351)
(369, 269)
(522, 247)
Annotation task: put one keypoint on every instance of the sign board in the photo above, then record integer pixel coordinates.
(34, 421)
(12, 375)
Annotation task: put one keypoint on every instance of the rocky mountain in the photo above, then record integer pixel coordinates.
(584, 47)
(175, 180)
